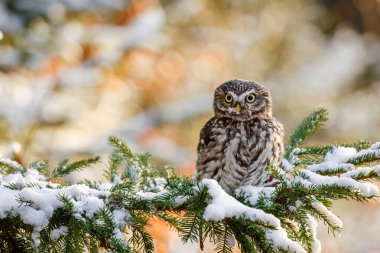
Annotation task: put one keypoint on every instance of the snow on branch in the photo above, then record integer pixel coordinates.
(327, 215)
(224, 206)
(7, 164)
(41, 212)
(315, 243)
(310, 179)
(363, 173)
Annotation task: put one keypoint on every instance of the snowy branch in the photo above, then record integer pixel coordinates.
(41, 212)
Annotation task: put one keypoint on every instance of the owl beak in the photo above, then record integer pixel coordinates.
(238, 108)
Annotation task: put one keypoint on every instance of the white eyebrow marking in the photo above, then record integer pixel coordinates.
(234, 96)
(241, 98)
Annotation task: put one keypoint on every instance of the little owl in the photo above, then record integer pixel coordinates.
(242, 139)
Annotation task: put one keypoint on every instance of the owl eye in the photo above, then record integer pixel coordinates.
(250, 98)
(228, 98)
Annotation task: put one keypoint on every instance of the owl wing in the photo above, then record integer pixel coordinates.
(208, 136)
(205, 136)
(210, 145)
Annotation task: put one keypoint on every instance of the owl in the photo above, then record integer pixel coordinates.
(242, 139)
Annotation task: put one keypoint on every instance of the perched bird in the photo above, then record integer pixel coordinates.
(242, 139)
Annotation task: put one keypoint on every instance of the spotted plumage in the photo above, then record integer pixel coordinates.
(242, 139)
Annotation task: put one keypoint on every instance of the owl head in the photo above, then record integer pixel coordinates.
(242, 100)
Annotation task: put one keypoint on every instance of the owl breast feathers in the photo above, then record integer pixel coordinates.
(242, 139)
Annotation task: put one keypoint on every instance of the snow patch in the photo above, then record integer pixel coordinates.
(224, 206)
(361, 170)
(331, 218)
(374, 152)
(330, 166)
(316, 246)
(10, 163)
(253, 193)
(375, 146)
(340, 154)
(36, 204)
(286, 165)
(367, 189)
(55, 234)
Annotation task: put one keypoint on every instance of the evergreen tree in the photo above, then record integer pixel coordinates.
(39, 212)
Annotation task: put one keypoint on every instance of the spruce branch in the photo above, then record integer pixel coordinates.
(225, 240)
(366, 156)
(64, 167)
(120, 147)
(366, 173)
(320, 211)
(309, 126)
(8, 166)
(115, 160)
(280, 217)
(41, 166)
(358, 145)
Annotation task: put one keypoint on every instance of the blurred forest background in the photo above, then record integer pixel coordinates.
(73, 72)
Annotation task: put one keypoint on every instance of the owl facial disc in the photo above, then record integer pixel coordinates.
(242, 100)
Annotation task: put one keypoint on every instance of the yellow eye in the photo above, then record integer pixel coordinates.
(228, 98)
(250, 98)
